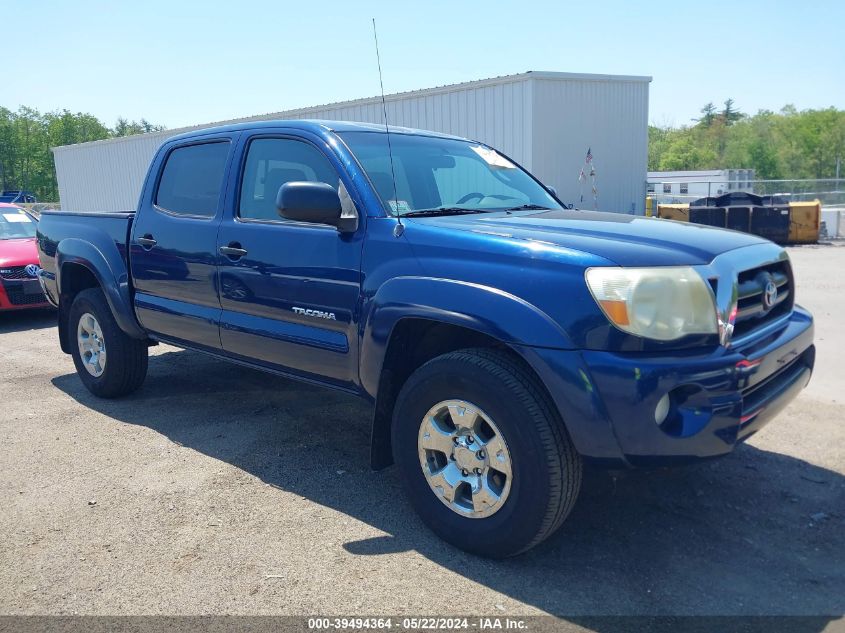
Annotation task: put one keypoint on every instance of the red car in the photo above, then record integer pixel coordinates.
(19, 286)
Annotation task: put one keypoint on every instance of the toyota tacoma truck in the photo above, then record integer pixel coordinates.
(503, 339)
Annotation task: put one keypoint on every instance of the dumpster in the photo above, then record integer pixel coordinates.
(772, 217)
(804, 222)
(771, 222)
(766, 216)
(739, 218)
(679, 212)
(709, 216)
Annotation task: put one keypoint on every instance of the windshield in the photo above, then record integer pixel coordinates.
(437, 173)
(15, 224)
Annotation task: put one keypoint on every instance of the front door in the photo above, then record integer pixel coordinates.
(289, 290)
(173, 250)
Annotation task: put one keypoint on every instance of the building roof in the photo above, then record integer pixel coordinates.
(307, 113)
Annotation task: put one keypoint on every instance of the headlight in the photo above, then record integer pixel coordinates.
(657, 303)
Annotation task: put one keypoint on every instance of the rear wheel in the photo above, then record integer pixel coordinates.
(485, 458)
(109, 363)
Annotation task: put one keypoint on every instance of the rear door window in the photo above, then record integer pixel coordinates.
(192, 178)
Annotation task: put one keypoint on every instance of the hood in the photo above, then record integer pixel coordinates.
(18, 252)
(625, 240)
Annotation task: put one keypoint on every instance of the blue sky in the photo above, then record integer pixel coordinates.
(182, 62)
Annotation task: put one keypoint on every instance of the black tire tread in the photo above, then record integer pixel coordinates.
(563, 461)
(126, 373)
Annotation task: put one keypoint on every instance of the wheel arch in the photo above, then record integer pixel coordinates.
(76, 278)
(401, 334)
(81, 265)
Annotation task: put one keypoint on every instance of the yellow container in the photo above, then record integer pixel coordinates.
(804, 222)
(679, 212)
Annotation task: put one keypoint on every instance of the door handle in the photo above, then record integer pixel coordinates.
(146, 242)
(233, 251)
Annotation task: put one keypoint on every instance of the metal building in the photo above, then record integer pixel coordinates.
(546, 121)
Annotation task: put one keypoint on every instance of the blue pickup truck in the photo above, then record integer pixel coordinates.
(503, 339)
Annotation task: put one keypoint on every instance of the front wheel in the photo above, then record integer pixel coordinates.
(484, 456)
(109, 362)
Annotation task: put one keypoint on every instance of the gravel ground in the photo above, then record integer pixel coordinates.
(215, 489)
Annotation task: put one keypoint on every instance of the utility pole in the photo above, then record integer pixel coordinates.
(838, 163)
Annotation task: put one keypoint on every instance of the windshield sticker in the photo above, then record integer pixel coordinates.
(493, 158)
(399, 206)
(16, 217)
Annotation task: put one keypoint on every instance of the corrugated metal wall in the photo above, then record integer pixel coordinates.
(105, 175)
(539, 119)
(497, 112)
(606, 115)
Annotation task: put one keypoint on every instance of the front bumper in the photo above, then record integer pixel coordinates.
(718, 399)
(20, 294)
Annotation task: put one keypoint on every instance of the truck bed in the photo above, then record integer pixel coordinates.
(97, 228)
(100, 237)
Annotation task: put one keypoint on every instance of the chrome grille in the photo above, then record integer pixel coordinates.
(754, 309)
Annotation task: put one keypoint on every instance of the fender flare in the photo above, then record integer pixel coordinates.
(487, 310)
(109, 269)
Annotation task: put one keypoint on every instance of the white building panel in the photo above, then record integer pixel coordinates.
(544, 121)
(105, 175)
(606, 115)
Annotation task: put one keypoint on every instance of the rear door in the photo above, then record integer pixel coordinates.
(173, 250)
(289, 290)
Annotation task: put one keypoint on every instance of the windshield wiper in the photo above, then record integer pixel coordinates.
(443, 211)
(528, 207)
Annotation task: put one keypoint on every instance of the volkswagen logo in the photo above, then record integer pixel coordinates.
(770, 295)
(31, 270)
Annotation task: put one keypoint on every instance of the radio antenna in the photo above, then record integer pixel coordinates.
(398, 230)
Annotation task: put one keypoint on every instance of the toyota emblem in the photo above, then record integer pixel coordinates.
(770, 295)
(32, 270)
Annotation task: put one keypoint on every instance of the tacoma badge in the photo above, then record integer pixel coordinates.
(315, 313)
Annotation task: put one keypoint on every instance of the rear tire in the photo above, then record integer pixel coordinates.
(498, 397)
(109, 362)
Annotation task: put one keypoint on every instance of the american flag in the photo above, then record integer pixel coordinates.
(589, 156)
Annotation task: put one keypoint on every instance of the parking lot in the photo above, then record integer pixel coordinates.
(216, 489)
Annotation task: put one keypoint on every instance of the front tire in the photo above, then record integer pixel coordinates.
(484, 456)
(109, 362)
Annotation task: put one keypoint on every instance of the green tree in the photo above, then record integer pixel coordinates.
(8, 148)
(124, 127)
(26, 136)
(730, 115)
(764, 158)
(788, 144)
(708, 114)
(684, 153)
(657, 143)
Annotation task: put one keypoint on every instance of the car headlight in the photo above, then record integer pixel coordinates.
(657, 303)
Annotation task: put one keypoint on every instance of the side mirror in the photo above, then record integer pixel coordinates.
(316, 202)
